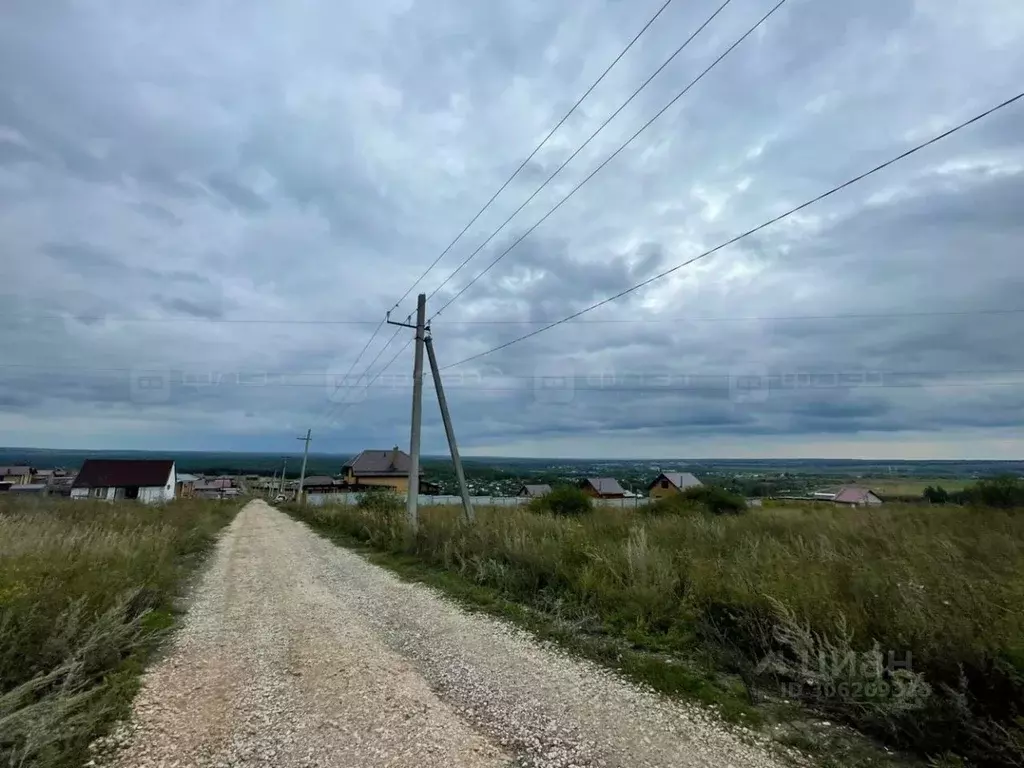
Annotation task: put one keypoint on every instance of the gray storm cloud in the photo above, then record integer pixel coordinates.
(185, 193)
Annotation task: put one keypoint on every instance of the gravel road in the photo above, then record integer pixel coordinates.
(296, 652)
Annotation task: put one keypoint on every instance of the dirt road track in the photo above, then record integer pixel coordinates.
(298, 653)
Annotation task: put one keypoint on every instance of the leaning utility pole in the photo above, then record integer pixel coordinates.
(467, 505)
(423, 339)
(302, 474)
(411, 510)
(284, 471)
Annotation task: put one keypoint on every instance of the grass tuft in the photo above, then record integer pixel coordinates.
(86, 594)
(906, 622)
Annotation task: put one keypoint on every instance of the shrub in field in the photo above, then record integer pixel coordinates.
(706, 498)
(677, 504)
(563, 501)
(382, 500)
(86, 591)
(715, 500)
(1005, 492)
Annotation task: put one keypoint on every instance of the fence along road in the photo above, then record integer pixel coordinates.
(424, 500)
(298, 653)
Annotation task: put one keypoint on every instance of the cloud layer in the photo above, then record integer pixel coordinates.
(205, 211)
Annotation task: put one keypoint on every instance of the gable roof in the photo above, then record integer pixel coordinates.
(15, 471)
(606, 486)
(318, 480)
(534, 491)
(107, 473)
(393, 463)
(851, 494)
(216, 484)
(681, 480)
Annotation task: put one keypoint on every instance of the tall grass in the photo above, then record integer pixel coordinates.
(812, 603)
(86, 591)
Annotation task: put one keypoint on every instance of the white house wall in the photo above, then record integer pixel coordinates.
(154, 494)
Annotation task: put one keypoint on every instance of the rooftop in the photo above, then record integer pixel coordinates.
(115, 473)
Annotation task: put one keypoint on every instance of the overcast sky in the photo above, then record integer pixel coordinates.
(190, 190)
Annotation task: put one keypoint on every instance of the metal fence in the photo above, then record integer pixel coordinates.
(349, 499)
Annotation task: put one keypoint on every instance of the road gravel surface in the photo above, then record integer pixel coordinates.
(296, 652)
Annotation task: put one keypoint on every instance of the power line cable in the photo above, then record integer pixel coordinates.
(614, 154)
(609, 321)
(536, 149)
(335, 416)
(749, 232)
(362, 352)
(328, 412)
(256, 372)
(846, 379)
(579, 149)
(508, 181)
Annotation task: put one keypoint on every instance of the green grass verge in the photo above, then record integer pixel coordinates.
(682, 658)
(87, 592)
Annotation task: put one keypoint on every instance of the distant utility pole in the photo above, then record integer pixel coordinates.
(284, 471)
(272, 486)
(302, 474)
(423, 339)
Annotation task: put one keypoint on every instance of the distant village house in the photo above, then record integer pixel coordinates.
(534, 491)
(671, 484)
(185, 486)
(602, 488)
(16, 475)
(147, 480)
(321, 484)
(856, 497)
(378, 469)
(214, 488)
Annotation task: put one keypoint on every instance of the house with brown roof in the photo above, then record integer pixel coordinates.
(602, 488)
(186, 485)
(379, 469)
(671, 484)
(16, 475)
(147, 480)
(853, 496)
(534, 491)
(214, 488)
(321, 484)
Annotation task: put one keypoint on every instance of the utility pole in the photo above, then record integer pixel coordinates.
(284, 471)
(417, 410)
(300, 497)
(272, 486)
(467, 505)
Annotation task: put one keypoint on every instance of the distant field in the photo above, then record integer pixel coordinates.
(904, 486)
(939, 588)
(86, 590)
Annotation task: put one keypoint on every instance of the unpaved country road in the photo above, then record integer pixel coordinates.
(296, 652)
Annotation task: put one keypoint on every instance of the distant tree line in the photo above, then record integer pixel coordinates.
(1002, 492)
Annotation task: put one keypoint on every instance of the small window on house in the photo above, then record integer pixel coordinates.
(664, 483)
(131, 492)
(98, 493)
